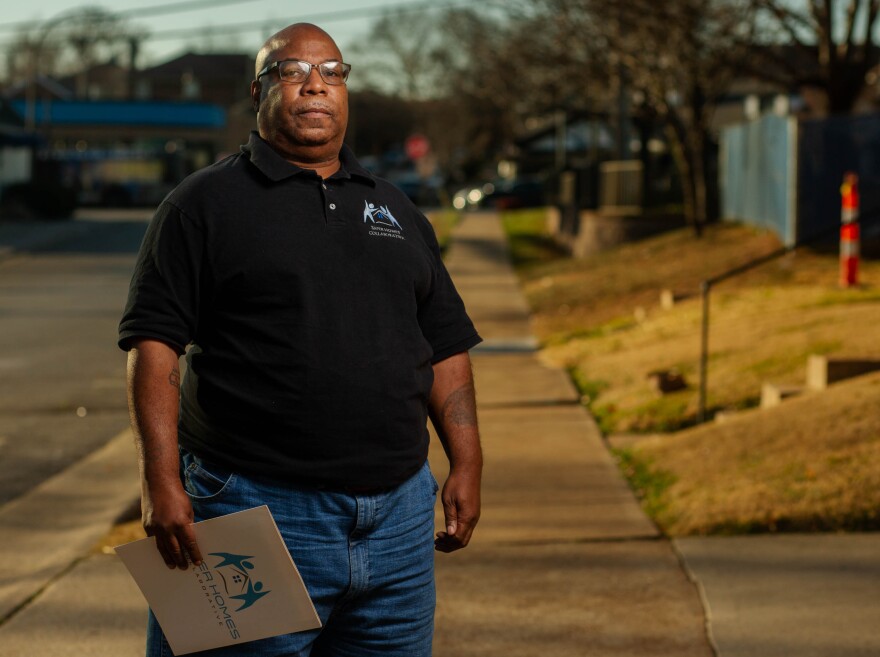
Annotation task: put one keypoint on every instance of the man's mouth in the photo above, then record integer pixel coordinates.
(313, 112)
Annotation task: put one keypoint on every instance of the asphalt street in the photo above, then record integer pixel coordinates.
(62, 378)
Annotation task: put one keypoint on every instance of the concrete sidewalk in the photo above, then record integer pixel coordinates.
(563, 562)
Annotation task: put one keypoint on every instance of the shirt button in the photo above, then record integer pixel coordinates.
(332, 206)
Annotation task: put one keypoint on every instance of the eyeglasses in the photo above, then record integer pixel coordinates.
(295, 71)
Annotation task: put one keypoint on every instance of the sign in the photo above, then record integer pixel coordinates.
(246, 588)
(416, 146)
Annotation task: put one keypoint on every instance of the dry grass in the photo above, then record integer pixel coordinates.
(571, 295)
(601, 318)
(121, 533)
(758, 334)
(810, 464)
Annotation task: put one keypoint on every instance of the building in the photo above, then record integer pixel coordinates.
(122, 137)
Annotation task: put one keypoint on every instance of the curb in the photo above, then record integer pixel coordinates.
(50, 528)
(18, 237)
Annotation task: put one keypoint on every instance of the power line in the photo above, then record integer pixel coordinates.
(154, 10)
(328, 17)
(200, 5)
(179, 7)
(252, 26)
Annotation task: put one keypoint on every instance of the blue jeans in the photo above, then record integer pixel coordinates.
(366, 560)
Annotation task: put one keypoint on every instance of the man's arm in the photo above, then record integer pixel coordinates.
(453, 410)
(153, 398)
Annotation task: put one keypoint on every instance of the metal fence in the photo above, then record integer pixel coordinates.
(621, 187)
(785, 175)
(758, 175)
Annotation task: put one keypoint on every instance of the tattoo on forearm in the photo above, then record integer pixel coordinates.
(174, 378)
(460, 408)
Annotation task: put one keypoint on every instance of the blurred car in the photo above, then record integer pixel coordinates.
(513, 194)
(424, 192)
(501, 195)
(472, 196)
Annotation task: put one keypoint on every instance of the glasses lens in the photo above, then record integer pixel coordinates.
(293, 71)
(334, 72)
(297, 72)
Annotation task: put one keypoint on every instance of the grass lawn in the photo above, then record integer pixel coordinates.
(811, 464)
(601, 318)
(443, 221)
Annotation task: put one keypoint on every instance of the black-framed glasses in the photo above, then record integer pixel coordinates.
(295, 71)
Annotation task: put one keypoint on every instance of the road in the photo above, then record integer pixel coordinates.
(62, 377)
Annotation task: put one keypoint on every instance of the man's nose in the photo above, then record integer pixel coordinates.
(314, 83)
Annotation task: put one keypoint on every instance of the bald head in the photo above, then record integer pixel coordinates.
(290, 35)
(304, 121)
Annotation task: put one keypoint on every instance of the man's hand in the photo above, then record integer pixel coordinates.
(169, 517)
(453, 411)
(461, 506)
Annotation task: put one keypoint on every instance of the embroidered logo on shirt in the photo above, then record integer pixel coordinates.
(382, 222)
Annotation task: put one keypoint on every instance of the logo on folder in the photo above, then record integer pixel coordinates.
(229, 582)
(234, 572)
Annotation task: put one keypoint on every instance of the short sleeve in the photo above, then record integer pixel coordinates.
(164, 294)
(442, 315)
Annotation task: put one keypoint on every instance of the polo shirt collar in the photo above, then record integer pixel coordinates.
(276, 168)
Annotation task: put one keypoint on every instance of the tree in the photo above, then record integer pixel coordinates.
(457, 71)
(70, 44)
(834, 40)
(399, 55)
(678, 57)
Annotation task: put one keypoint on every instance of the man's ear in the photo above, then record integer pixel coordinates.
(256, 90)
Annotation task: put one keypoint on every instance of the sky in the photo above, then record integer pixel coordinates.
(237, 25)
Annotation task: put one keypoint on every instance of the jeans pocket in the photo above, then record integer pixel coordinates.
(434, 485)
(205, 481)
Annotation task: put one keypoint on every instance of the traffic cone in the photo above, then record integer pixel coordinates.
(849, 231)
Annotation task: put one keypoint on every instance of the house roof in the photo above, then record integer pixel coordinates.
(208, 65)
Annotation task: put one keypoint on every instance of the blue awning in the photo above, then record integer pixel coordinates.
(129, 113)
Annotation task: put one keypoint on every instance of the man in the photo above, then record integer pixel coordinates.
(323, 330)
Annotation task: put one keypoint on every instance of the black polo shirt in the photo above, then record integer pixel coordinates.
(315, 309)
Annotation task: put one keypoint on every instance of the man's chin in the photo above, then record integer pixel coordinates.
(312, 137)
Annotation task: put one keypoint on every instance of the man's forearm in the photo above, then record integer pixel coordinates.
(154, 395)
(453, 410)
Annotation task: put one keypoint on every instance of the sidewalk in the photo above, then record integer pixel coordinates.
(563, 561)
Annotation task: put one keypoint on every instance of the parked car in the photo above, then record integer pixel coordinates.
(424, 192)
(470, 197)
(501, 195)
(512, 194)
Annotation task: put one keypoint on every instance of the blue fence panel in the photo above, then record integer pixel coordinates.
(757, 175)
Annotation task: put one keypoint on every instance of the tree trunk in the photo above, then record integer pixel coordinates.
(697, 151)
(691, 171)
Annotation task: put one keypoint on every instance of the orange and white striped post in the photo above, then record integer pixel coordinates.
(849, 231)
